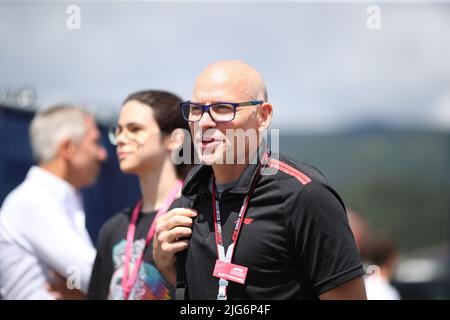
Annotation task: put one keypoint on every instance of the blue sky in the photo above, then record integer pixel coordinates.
(323, 68)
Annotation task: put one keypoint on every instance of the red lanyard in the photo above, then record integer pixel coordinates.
(127, 280)
(227, 256)
(218, 224)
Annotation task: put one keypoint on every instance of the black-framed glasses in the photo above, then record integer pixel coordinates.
(219, 112)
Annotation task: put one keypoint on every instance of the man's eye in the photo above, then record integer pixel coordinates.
(223, 108)
(196, 109)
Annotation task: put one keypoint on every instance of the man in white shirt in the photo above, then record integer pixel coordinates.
(381, 254)
(42, 221)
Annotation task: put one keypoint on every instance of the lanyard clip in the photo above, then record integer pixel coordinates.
(220, 297)
(223, 282)
(222, 294)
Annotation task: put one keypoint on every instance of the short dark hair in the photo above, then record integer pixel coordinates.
(166, 107)
(379, 251)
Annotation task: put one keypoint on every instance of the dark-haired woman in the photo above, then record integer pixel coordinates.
(124, 268)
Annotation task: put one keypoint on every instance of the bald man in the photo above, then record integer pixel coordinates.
(255, 225)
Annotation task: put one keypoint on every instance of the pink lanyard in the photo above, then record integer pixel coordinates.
(128, 282)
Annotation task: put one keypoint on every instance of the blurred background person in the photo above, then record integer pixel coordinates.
(148, 120)
(381, 256)
(43, 239)
(359, 227)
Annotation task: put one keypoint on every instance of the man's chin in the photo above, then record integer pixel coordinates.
(210, 159)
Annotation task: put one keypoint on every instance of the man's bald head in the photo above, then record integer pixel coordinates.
(236, 82)
(231, 79)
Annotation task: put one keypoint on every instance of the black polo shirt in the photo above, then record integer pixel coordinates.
(296, 241)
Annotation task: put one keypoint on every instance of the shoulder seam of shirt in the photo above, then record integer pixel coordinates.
(289, 170)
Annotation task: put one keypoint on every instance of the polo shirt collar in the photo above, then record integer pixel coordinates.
(200, 176)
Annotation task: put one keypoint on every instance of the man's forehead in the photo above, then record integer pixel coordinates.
(213, 97)
(220, 95)
(233, 90)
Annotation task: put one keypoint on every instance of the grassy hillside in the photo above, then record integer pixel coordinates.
(399, 180)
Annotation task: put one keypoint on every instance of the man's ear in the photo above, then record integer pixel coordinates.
(66, 149)
(264, 116)
(175, 140)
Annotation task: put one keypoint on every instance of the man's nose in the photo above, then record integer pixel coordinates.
(206, 121)
(102, 153)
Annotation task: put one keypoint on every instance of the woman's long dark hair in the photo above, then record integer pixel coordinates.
(166, 107)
